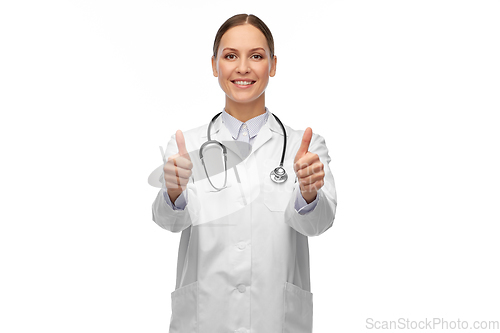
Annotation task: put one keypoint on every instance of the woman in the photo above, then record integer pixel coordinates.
(243, 263)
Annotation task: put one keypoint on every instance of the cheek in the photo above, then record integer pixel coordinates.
(224, 72)
(264, 79)
(263, 73)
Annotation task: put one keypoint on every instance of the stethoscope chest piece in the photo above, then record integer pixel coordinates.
(278, 175)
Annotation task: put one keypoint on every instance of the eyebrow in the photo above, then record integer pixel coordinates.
(254, 49)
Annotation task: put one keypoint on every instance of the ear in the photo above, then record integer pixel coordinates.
(272, 72)
(214, 67)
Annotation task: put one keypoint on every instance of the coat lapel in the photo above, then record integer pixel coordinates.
(269, 129)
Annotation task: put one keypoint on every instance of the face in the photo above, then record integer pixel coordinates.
(243, 55)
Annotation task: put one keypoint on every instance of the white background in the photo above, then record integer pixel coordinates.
(406, 94)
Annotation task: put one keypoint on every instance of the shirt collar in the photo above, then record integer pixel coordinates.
(253, 125)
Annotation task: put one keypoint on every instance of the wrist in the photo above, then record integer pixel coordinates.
(173, 194)
(309, 196)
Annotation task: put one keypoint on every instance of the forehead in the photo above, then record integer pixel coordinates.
(243, 37)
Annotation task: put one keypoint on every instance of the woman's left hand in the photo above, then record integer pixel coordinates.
(309, 169)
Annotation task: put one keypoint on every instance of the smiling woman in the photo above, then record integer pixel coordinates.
(243, 263)
(243, 60)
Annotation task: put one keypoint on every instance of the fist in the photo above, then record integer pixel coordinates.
(177, 170)
(309, 169)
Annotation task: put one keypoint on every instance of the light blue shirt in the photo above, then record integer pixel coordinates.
(246, 132)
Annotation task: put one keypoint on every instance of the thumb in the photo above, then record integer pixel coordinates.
(304, 145)
(181, 144)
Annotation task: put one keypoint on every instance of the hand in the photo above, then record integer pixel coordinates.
(177, 170)
(309, 169)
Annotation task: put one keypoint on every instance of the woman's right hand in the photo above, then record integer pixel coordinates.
(177, 170)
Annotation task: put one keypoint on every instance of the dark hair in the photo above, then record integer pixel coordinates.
(242, 19)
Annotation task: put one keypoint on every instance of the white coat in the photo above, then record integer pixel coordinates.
(243, 263)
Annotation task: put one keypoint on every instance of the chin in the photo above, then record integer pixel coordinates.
(242, 101)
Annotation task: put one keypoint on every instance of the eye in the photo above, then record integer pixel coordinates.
(258, 55)
(229, 55)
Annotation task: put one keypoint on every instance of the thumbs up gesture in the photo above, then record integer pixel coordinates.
(177, 170)
(309, 169)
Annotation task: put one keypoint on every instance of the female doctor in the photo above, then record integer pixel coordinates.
(243, 262)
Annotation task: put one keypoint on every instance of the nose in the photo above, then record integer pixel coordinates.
(243, 66)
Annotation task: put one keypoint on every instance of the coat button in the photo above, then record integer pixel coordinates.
(241, 245)
(242, 288)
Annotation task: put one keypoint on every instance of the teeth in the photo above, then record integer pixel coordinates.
(243, 83)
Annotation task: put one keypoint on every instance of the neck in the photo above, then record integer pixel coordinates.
(245, 111)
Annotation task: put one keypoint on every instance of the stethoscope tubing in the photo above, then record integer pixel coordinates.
(278, 174)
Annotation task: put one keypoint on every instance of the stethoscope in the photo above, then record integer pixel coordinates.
(278, 175)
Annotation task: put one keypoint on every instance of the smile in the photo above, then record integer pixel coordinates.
(243, 84)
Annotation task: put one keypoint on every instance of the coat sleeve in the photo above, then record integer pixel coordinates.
(321, 218)
(163, 214)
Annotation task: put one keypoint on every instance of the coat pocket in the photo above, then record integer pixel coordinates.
(298, 309)
(185, 309)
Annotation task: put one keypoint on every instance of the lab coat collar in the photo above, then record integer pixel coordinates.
(220, 133)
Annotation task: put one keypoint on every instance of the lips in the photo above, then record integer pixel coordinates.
(243, 83)
(252, 81)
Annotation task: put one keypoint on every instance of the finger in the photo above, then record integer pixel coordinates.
(305, 161)
(181, 144)
(174, 186)
(313, 187)
(180, 161)
(172, 179)
(170, 169)
(315, 168)
(175, 182)
(312, 178)
(304, 145)
(183, 163)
